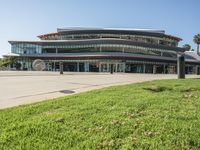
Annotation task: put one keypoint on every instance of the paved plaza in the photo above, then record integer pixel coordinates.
(18, 88)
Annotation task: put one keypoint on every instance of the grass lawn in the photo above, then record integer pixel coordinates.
(151, 115)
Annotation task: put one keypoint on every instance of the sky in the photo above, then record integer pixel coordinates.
(26, 19)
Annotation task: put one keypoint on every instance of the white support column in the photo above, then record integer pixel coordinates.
(85, 67)
(164, 69)
(197, 70)
(54, 65)
(124, 67)
(154, 69)
(108, 67)
(144, 68)
(99, 67)
(77, 66)
(55, 60)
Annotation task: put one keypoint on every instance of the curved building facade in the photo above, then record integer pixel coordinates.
(103, 50)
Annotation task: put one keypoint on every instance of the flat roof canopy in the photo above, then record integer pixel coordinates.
(128, 31)
(114, 29)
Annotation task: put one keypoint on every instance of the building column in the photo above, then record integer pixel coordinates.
(54, 65)
(116, 67)
(99, 67)
(181, 66)
(175, 69)
(164, 68)
(87, 67)
(61, 67)
(124, 67)
(154, 69)
(144, 68)
(77, 66)
(197, 70)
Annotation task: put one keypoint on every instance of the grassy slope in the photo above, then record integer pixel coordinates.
(150, 115)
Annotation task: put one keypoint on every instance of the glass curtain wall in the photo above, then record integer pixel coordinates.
(135, 38)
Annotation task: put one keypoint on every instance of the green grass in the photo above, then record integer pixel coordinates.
(151, 115)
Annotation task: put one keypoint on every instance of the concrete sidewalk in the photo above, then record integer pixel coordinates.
(17, 88)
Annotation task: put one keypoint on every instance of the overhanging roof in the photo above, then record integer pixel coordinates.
(105, 29)
(124, 56)
(128, 31)
(101, 41)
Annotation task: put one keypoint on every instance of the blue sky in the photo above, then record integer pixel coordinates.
(25, 19)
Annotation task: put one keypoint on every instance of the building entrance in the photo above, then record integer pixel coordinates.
(70, 66)
(117, 67)
(81, 67)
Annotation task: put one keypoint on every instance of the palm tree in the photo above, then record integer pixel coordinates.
(197, 41)
(187, 46)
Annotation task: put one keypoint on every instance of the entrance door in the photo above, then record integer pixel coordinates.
(117, 67)
(81, 67)
(104, 68)
(120, 67)
(72, 67)
(112, 68)
(94, 67)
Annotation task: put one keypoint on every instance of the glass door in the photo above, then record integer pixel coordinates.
(117, 67)
(104, 67)
(120, 67)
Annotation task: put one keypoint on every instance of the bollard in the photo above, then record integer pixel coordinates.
(181, 66)
(61, 67)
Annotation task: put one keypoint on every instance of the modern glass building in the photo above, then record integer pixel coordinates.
(100, 50)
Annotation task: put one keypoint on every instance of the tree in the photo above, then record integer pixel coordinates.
(5, 62)
(1, 61)
(197, 41)
(187, 46)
